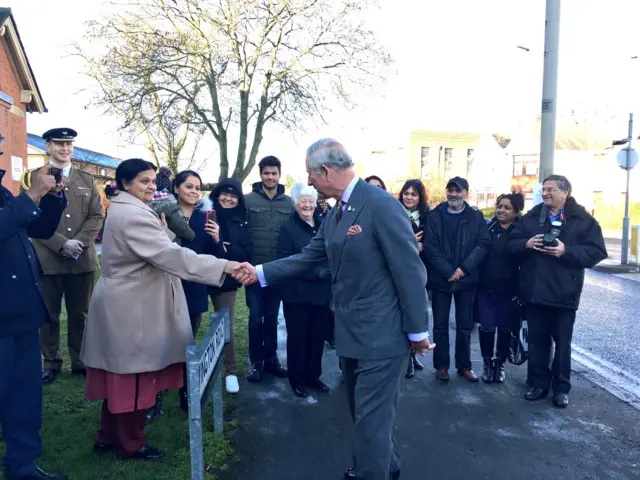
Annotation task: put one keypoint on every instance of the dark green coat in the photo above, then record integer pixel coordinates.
(266, 216)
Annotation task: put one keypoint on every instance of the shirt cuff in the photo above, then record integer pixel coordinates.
(260, 274)
(417, 337)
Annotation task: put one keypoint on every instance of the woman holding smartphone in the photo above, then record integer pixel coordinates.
(186, 187)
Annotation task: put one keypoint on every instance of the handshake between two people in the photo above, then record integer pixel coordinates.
(245, 273)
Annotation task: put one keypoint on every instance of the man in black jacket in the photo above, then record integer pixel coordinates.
(556, 241)
(455, 244)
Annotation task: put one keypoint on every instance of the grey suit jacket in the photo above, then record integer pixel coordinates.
(378, 278)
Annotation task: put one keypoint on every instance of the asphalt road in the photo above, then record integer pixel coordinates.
(607, 333)
(459, 430)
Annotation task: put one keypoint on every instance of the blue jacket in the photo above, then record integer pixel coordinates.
(22, 305)
(203, 244)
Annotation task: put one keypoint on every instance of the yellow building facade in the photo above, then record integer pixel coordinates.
(441, 155)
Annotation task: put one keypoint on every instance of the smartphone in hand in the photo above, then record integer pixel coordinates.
(57, 174)
(211, 216)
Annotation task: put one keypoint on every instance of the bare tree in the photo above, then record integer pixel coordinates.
(209, 65)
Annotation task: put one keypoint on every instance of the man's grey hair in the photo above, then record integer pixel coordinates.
(563, 183)
(301, 189)
(329, 153)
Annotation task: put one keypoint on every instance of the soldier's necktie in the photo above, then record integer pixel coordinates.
(340, 206)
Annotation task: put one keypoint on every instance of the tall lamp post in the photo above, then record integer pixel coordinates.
(549, 88)
(627, 159)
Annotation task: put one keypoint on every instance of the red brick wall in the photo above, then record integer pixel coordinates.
(12, 126)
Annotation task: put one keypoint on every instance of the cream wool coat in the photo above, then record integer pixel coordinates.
(138, 318)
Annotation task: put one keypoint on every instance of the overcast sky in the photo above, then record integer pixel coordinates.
(457, 67)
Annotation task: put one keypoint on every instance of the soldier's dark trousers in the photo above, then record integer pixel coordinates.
(546, 323)
(21, 402)
(76, 290)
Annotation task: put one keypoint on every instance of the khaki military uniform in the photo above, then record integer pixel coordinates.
(65, 277)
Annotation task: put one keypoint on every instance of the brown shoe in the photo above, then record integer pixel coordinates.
(442, 375)
(469, 375)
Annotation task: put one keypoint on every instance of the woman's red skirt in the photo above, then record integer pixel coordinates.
(134, 391)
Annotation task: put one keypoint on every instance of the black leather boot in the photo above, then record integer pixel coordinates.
(487, 337)
(487, 370)
(155, 411)
(498, 370)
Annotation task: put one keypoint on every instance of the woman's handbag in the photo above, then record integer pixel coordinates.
(519, 347)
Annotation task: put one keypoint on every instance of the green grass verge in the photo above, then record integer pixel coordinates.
(70, 423)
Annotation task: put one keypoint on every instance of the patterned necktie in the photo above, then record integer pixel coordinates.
(339, 205)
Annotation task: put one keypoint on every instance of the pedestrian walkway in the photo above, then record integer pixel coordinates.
(445, 431)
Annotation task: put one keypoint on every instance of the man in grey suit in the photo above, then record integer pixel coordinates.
(379, 297)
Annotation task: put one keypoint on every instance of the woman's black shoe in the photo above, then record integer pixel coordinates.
(416, 363)
(155, 411)
(536, 394)
(300, 392)
(487, 370)
(498, 371)
(147, 452)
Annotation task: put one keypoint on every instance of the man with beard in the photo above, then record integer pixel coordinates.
(269, 208)
(456, 242)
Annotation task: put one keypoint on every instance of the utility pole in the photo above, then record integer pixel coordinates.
(624, 258)
(549, 88)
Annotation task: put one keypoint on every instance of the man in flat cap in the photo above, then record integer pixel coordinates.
(69, 258)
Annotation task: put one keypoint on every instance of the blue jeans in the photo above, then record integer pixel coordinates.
(264, 305)
(21, 402)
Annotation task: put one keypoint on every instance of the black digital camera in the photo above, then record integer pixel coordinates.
(551, 239)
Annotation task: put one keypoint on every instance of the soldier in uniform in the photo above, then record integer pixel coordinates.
(35, 213)
(69, 258)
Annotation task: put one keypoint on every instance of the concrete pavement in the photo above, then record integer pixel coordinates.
(445, 431)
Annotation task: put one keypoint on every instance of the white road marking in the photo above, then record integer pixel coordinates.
(620, 383)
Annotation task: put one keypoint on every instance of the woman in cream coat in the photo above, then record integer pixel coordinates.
(138, 325)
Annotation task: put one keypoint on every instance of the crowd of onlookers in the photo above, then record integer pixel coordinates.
(128, 334)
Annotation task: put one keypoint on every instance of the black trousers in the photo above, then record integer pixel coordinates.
(441, 307)
(306, 330)
(264, 305)
(544, 324)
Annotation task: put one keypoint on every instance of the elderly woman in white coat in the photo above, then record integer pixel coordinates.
(138, 324)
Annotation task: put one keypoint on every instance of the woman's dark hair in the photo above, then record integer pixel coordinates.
(269, 161)
(375, 177)
(418, 186)
(126, 172)
(516, 199)
(181, 177)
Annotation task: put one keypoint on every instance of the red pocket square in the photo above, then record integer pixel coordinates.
(354, 230)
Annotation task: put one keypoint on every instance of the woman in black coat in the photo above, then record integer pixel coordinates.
(413, 197)
(187, 189)
(305, 300)
(231, 215)
(496, 303)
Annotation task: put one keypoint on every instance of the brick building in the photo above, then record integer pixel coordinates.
(19, 95)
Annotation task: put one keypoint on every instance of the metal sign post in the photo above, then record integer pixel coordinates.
(627, 159)
(204, 381)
